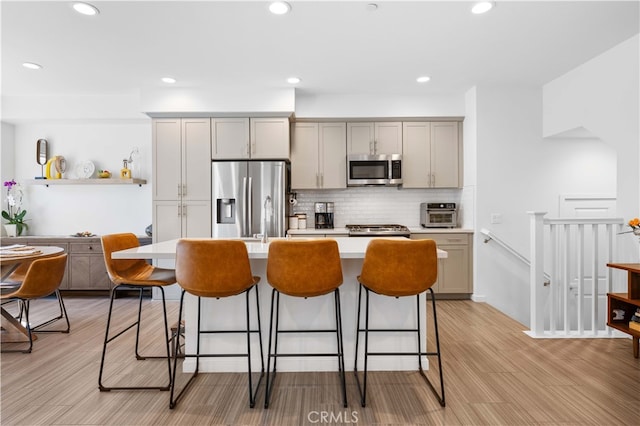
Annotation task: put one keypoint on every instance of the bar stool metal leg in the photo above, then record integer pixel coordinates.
(108, 340)
(275, 297)
(173, 398)
(340, 343)
(440, 397)
(362, 389)
(271, 376)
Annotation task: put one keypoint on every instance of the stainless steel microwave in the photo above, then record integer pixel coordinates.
(366, 170)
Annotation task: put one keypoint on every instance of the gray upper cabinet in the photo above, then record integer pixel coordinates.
(431, 154)
(249, 138)
(230, 138)
(318, 156)
(378, 137)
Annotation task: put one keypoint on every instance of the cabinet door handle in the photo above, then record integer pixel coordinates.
(179, 210)
(253, 148)
(321, 180)
(317, 181)
(184, 189)
(184, 210)
(179, 190)
(375, 147)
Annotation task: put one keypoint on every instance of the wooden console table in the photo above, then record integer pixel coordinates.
(628, 302)
(85, 265)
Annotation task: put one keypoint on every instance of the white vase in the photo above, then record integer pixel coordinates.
(10, 229)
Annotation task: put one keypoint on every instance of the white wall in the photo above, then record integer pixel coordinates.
(64, 210)
(376, 105)
(519, 171)
(7, 154)
(601, 96)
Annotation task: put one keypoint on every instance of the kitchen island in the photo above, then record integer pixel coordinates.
(297, 312)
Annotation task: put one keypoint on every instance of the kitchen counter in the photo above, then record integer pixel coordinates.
(313, 231)
(345, 231)
(316, 312)
(421, 230)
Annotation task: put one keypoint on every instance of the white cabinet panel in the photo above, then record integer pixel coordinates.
(182, 178)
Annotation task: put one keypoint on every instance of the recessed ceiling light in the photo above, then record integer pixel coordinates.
(279, 7)
(85, 9)
(372, 7)
(293, 80)
(32, 65)
(168, 80)
(482, 7)
(423, 79)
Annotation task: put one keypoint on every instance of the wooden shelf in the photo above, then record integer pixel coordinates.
(93, 181)
(627, 302)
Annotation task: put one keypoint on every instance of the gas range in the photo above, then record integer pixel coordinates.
(378, 231)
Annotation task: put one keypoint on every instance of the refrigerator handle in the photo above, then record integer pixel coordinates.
(249, 208)
(243, 197)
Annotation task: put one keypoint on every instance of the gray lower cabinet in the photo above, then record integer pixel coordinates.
(455, 273)
(86, 263)
(85, 266)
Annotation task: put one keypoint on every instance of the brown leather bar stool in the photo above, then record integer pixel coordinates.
(215, 269)
(304, 269)
(43, 277)
(133, 274)
(398, 269)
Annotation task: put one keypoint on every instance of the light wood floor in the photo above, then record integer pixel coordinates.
(494, 375)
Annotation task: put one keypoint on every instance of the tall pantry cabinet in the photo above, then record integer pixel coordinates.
(181, 178)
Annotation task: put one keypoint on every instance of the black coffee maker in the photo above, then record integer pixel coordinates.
(324, 215)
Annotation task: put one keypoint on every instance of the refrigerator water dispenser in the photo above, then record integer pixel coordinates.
(226, 211)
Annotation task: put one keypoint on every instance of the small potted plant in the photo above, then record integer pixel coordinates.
(14, 214)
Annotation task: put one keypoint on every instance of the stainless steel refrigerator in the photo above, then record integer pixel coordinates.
(247, 195)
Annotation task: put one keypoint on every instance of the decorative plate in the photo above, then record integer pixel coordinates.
(84, 234)
(85, 169)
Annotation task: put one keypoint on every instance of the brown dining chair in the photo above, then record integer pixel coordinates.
(215, 269)
(43, 277)
(303, 269)
(398, 269)
(14, 280)
(133, 274)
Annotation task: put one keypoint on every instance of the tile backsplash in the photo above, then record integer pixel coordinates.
(371, 205)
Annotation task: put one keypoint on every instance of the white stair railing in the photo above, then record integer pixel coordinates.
(576, 251)
(490, 236)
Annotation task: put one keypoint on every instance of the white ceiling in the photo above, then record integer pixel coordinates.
(335, 47)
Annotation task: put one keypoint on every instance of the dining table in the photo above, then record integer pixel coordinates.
(12, 257)
(302, 313)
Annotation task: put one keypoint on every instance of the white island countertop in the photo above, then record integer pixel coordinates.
(316, 312)
(350, 248)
